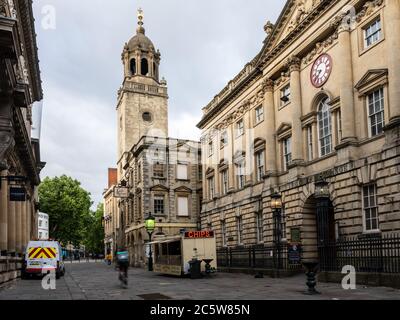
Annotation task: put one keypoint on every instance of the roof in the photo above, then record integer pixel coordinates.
(140, 41)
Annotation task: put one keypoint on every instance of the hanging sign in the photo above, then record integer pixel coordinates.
(17, 194)
(121, 192)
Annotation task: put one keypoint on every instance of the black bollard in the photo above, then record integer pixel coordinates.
(311, 272)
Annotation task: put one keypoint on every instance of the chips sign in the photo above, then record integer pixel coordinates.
(199, 234)
(121, 192)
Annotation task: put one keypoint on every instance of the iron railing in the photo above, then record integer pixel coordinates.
(371, 254)
(256, 257)
(375, 255)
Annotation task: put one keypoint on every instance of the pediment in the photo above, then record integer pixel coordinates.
(285, 126)
(292, 15)
(210, 171)
(259, 142)
(372, 77)
(223, 163)
(159, 188)
(239, 154)
(183, 189)
(183, 145)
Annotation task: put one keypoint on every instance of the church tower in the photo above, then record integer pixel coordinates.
(143, 99)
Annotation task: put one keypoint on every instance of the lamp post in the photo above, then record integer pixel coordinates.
(276, 206)
(150, 225)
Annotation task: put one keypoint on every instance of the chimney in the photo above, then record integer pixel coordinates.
(112, 177)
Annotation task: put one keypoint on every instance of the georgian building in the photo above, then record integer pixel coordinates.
(161, 173)
(321, 100)
(111, 216)
(20, 164)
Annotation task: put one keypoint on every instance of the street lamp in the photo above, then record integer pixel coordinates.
(276, 206)
(150, 225)
(321, 189)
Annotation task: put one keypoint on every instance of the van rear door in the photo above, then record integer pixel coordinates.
(41, 257)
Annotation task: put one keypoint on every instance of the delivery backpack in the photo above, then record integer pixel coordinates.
(122, 256)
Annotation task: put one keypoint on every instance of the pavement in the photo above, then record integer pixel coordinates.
(98, 281)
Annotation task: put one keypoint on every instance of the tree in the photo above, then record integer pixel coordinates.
(94, 233)
(68, 207)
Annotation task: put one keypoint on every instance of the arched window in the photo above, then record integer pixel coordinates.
(324, 128)
(133, 66)
(145, 67)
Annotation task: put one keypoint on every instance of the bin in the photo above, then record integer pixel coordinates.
(195, 269)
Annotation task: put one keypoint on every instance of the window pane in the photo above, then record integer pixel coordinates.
(183, 206)
(182, 172)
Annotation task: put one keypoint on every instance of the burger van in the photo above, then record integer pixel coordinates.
(42, 257)
(172, 255)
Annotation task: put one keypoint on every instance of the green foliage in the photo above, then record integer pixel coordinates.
(94, 233)
(68, 206)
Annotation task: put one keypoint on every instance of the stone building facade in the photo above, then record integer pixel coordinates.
(321, 100)
(111, 216)
(163, 178)
(20, 164)
(161, 173)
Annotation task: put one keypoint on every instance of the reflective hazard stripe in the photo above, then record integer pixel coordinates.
(42, 253)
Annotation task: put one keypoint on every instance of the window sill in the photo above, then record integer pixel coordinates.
(372, 139)
(330, 155)
(258, 123)
(372, 46)
(282, 106)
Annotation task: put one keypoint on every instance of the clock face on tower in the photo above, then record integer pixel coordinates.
(321, 70)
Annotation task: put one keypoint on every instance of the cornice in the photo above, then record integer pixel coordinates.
(308, 18)
(30, 46)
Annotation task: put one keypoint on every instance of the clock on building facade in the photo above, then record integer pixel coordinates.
(321, 70)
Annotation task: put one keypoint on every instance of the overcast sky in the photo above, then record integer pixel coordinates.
(203, 44)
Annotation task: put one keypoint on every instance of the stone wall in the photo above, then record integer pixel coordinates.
(10, 268)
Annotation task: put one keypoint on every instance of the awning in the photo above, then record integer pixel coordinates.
(165, 240)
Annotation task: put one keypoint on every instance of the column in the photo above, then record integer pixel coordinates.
(18, 227)
(248, 139)
(11, 227)
(23, 226)
(232, 166)
(270, 145)
(3, 213)
(28, 221)
(392, 13)
(297, 110)
(346, 84)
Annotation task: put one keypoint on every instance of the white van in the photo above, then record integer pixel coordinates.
(41, 257)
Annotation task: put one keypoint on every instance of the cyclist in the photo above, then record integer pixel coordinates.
(123, 264)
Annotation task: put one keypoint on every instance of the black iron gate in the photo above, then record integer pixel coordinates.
(326, 234)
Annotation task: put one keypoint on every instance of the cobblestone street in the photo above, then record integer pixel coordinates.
(97, 281)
